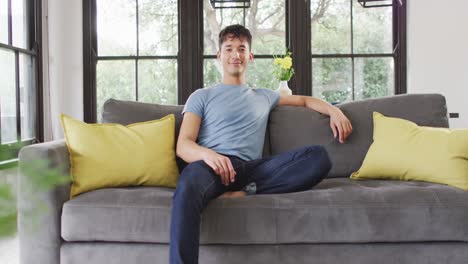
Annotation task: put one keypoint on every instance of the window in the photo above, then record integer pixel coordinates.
(137, 46)
(266, 21)
(20, 87)
(352, 51)
(162, 51)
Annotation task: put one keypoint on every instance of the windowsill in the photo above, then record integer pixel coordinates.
(6, 164)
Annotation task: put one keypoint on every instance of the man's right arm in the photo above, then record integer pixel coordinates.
(190, 151)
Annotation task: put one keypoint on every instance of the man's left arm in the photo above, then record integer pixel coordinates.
(339, 123)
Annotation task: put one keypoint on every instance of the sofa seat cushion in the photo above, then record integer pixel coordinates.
(337, 210)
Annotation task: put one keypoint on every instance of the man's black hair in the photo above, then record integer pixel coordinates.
(235, 31)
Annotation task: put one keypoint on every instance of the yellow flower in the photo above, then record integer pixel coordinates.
(286, 63)
(284, 71)
(278, 61)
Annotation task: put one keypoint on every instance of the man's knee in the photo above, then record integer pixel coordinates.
(193, 177)
(325, 159)
(319, 156)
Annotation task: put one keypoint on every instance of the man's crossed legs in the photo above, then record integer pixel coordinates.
(292, 171)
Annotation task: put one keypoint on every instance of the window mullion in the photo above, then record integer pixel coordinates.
(36, 37)
(352, 49)
(10, 24)
(13, 48)
(190, 60)
(287, 22)
(89, 60)
(18, 97)
(137, 50)
(31, 22)
(136, 79)
(399, 46)
(299, 38)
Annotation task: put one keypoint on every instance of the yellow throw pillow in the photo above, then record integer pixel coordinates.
(402, 150)
(113, 155)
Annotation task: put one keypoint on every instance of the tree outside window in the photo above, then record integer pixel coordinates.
(137, 51)
(352, 51)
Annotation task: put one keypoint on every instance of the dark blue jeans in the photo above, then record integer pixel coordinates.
(293, 171)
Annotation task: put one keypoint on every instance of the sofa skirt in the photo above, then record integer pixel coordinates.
(362, 253)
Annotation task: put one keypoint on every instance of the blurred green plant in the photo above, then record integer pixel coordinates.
(7, 211)
(41, 176)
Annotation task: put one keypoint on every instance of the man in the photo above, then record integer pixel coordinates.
(221, 137)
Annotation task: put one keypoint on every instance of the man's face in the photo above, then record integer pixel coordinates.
(234, 56)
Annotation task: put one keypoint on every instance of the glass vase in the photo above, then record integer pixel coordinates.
(284, 88)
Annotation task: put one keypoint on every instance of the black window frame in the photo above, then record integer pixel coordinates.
(34, 11)
(190, 57)
(257, 56)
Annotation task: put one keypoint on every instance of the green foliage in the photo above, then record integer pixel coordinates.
(7, 211)
(332, 80)
(375, 78)
(42, 177)
(335, 96)
(157, 80)
(261, 74)
(114, 79)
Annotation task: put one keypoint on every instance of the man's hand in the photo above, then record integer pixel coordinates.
(221, 165)
(340, 124)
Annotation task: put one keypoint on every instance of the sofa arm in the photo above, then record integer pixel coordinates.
(39, 212)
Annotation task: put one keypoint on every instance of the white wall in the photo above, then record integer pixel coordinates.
(65, 61)
(438, 52)
(437, 55)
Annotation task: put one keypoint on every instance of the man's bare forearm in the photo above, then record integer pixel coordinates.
(190, 151)
(318, 105)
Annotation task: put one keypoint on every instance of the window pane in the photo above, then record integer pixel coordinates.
(116, 27)
(331, 26)
(27, 97)
(114, 79)
(265, 20)
(8, 97)
(215, 20)
(157, 81)
(212, 72)
(259, 74)
(268, 26)
(374, 77)
(158, 27)
(4, 21)
(372, 29)
(332, 79)
(20, 23)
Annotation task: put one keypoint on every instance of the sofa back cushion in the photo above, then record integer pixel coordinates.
(128, 112)
(294, 127)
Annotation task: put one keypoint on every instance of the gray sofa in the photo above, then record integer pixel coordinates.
(338, 221)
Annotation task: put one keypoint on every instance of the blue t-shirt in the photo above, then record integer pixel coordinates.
(233, 118)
